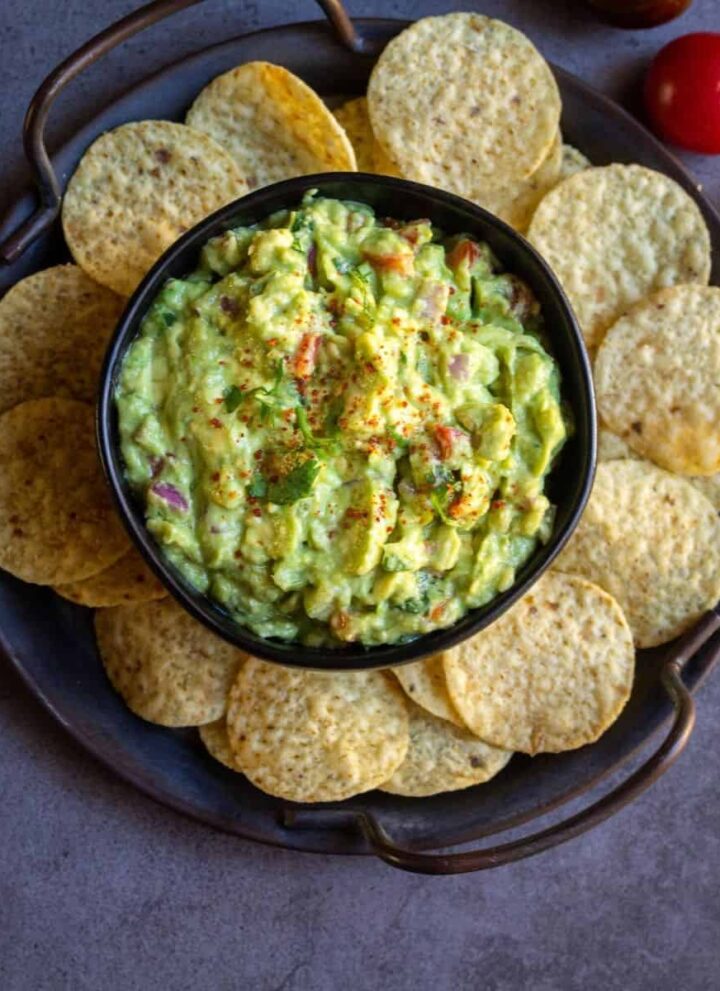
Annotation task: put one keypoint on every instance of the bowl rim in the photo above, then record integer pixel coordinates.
(200, 605)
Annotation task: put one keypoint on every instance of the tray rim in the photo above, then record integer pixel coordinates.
(16, 201)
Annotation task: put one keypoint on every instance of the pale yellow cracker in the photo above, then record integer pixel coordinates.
(353, 117)
(127, 581)
(310, 736)
(516, 203)
(424, 682)
(217, 743)
(442, 757)
(57, 521)
(657, 379)
(272, 123)
(652, 540)
(613, 448)
(168, 668)
(136, 190)
(552, 674)
(614, 235)
(572, 161)
(54, 329)
(462, 100)
(710, 488)
(382, 163)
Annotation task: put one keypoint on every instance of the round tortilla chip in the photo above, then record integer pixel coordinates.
(353, 118)
(613, 448)
(572, 161)
(272, 123)
(516, 203)
(168, 668)
(136, 190)
(54, 328)
(613, 235)
(217, 743)
(462, 100)
(57, 521)
(424, 681)
(652, 540)
(657, 379)
(316, 736)
(127, 581)
(382, 163)
(442, 757)
(710, 488)
(552, 674)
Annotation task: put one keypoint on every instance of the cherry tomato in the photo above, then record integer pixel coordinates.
(682, 92)
(640, 13)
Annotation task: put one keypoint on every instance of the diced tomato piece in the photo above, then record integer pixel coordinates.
(411, 232)
(463, 251)
(395, 262)
(306, 356)
(447, 438)
(437, 611)
(456, 509)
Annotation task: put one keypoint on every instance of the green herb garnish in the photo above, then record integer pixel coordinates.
(232, 399)
(257, 489)
(312, 440)
(441, 498)
(400, 441)
(297, 485)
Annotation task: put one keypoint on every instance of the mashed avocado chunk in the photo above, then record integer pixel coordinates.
(341, 425)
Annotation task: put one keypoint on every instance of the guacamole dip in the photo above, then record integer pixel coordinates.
(341, 425)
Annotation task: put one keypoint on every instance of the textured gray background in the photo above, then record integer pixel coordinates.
(100, 888)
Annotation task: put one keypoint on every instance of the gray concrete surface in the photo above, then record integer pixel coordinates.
(101, 889)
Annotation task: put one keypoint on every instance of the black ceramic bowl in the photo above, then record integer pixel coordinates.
(568, 485)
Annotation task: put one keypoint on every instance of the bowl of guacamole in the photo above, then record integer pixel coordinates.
(349, 420)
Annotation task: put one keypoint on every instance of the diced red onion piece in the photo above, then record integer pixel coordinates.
(458, 367)
(169, 494)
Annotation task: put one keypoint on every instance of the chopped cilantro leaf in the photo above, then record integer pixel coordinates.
(233, 398)
(312, 440)
(257, 489)
(400, 441)
(440, 499)
(297, 485)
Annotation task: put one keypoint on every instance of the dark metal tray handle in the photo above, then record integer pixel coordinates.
(381, 844)
(46, 180)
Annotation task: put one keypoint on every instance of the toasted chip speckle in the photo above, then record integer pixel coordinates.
(272, 123)
(57, 522)
(54, 329)
(424, 682)
(136, 190)
(462, 100)
(516, 203)
(126, 581)
(442, 757)
(572, 161)
(615, 234)
(652, 540)
(311, 736)
(216, 740)
(353, 117)
(551, 674)
(168, 668)
(657, 378)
